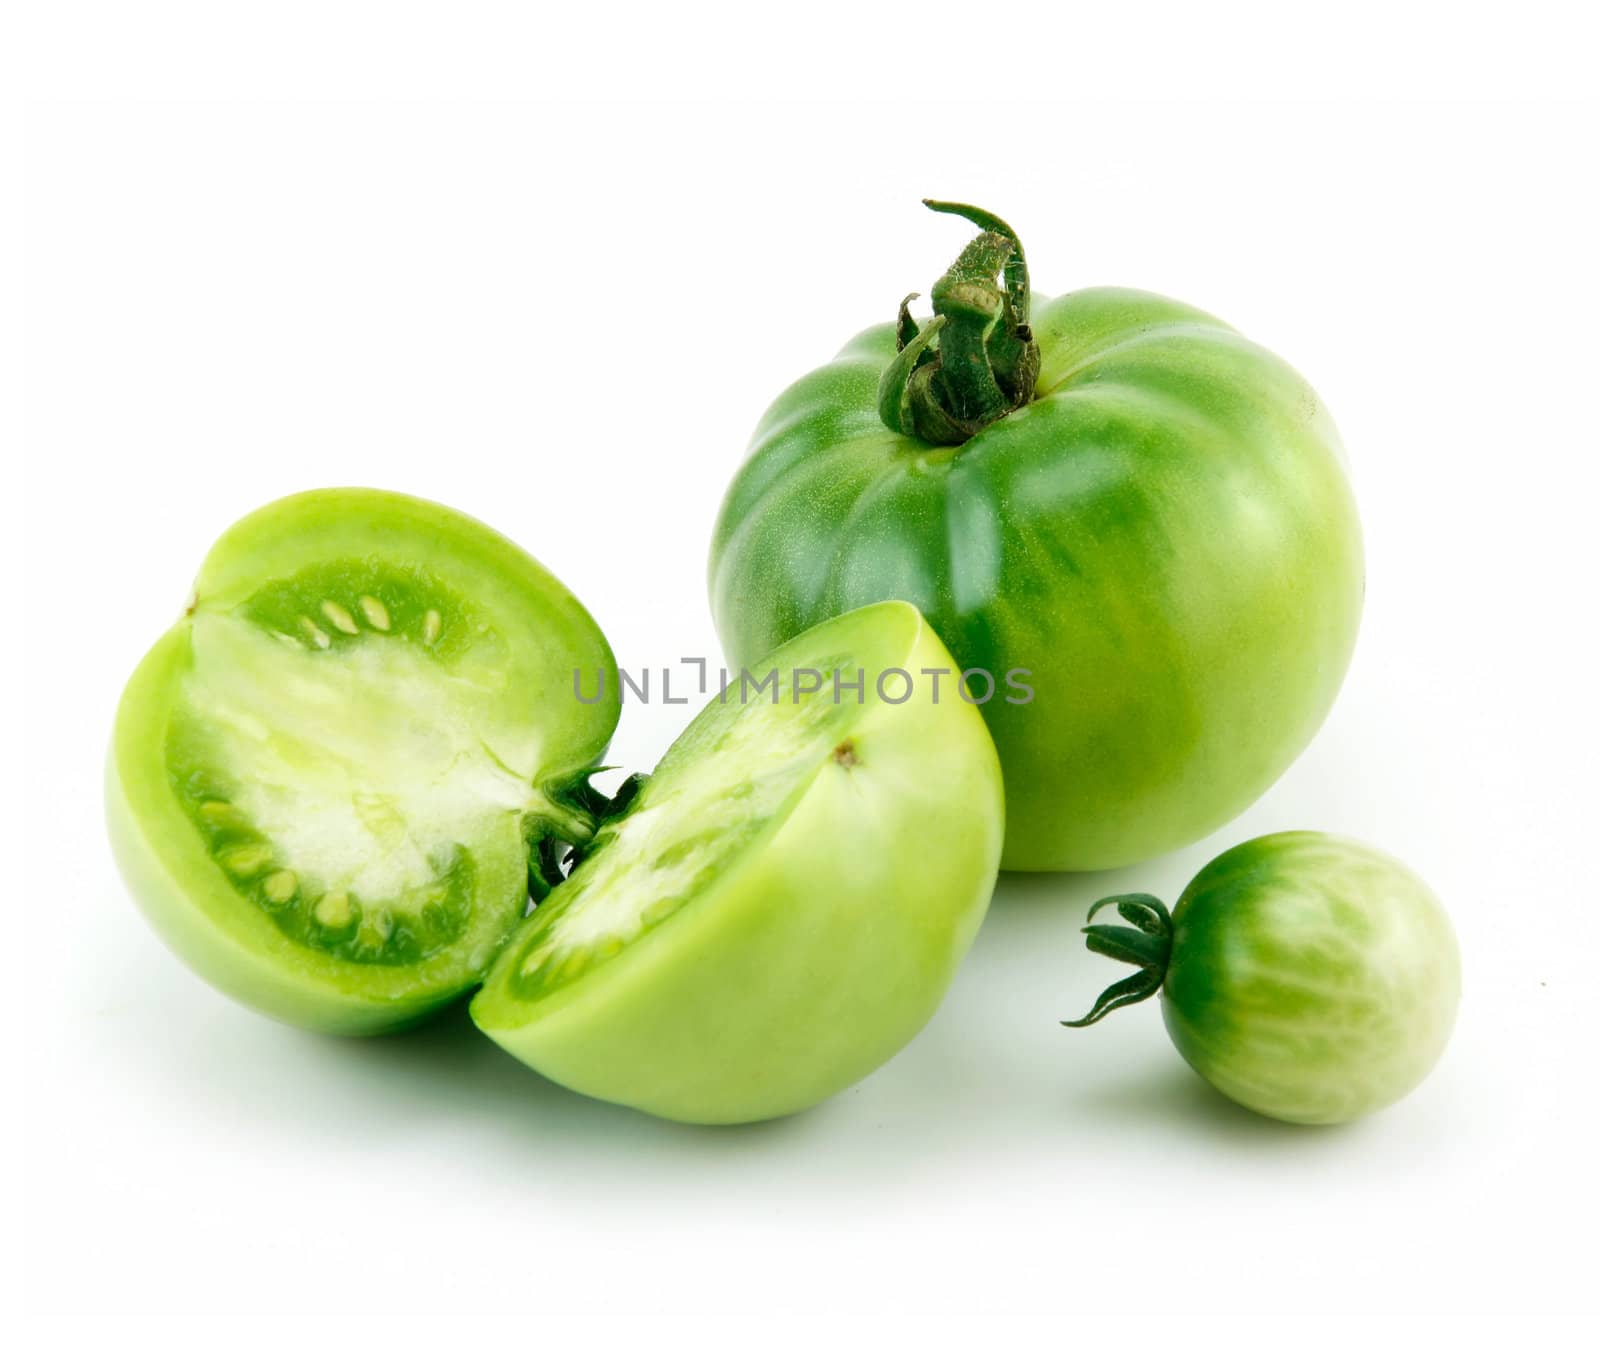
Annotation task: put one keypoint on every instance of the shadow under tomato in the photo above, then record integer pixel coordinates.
(1175, 1095)
(446, 1060)
(1031, 939)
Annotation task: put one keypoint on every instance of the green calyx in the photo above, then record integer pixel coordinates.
(1146, 944)
(561, 834)
(975, 359)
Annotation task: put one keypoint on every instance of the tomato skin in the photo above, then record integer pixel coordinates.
(1312, 978)
(1164, 538)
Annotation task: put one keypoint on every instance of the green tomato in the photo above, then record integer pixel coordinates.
(782, 905)
(1309, 977)
(326, 777)
(1131, 504)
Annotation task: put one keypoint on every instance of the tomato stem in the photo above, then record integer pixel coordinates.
(561, 828)
(985, 362)
(1147, 944)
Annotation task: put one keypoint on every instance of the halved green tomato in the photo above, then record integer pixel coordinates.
(326, 777)
(783, 905)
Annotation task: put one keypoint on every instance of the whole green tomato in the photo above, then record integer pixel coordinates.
(1308, 977)
(1128, 523)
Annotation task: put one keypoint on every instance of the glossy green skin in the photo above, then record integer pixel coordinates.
(817, 952)
(533, 722)
(1312, 978)
(1164, 536)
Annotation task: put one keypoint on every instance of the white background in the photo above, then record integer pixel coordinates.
(565, 319)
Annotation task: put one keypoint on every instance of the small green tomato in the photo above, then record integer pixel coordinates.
(1308, 977)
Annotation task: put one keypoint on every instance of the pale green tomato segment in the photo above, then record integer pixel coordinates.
(784, 906)
(324, 777)
(1312, 978)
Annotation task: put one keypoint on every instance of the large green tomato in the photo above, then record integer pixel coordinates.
(1118, 500)
(1309, 977)
(783, 903)
(327, 777)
